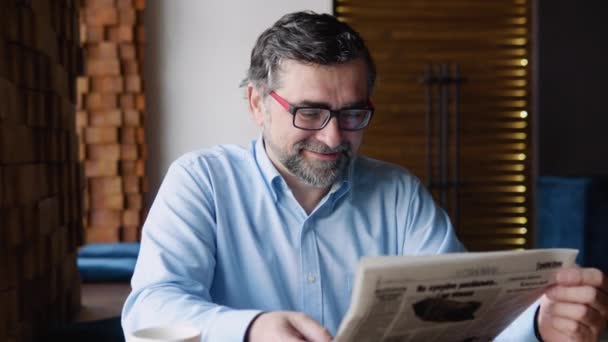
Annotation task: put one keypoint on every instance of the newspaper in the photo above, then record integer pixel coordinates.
(450, 297)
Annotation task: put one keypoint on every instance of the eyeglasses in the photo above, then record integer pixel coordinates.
(314, 119)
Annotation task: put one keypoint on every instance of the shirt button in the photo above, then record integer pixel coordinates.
(311, 278)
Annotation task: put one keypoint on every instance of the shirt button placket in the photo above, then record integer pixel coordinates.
(311, 295)
(311, 278)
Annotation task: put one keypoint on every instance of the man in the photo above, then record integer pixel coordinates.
(261, 244)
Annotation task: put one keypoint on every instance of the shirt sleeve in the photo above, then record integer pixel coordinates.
(428, 227)
(175, 267)
(522, 329)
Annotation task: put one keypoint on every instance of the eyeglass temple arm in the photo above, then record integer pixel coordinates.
(282, 101)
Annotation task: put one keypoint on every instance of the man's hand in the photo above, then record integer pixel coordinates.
(287, 326)
(576, 308)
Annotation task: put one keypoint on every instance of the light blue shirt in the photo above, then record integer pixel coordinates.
(225, 239)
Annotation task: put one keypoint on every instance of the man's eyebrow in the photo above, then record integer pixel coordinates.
(352, 105)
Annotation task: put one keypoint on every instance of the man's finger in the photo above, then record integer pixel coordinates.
(310, 329)
(578, 312)
(582, 276)
(587, 295)
(574, 330)
(292, 333)
(292, 339)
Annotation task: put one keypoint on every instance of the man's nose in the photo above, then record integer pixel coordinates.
(331, 134)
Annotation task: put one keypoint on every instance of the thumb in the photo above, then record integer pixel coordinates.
(310, 329)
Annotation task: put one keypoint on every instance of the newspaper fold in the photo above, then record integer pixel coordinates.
(451, 297)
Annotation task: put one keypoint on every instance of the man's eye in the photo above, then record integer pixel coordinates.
(353, 115)
(311, 113)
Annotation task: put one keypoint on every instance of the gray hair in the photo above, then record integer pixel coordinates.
(309, 38)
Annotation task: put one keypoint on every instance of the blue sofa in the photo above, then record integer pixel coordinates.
(573, 212)
(107, 262)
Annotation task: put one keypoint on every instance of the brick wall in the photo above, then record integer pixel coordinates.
(40, 176)
(110, 119)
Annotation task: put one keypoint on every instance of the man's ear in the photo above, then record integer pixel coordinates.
(256, 104)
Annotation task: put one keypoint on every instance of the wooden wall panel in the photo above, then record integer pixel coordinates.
(490, 40)
(110, 118)
(40, 177)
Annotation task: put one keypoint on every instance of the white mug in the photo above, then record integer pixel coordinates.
(173, 333)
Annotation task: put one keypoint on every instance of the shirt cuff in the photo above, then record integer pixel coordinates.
(231, 325)
(522, 329)
(536, 331)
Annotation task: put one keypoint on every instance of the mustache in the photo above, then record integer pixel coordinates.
(322, 148)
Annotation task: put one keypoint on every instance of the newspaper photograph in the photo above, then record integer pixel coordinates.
(451, 297)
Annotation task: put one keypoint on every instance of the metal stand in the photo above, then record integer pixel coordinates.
(443, 127)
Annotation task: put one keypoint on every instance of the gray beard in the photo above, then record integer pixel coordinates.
(318, 173)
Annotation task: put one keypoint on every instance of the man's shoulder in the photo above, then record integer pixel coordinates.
(374, 167)
(222, 154)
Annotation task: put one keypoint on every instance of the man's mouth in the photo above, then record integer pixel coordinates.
(322, 155)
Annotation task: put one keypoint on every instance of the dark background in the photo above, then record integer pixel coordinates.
(572, 88)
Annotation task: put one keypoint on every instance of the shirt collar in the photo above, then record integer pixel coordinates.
(269, 172)
(344, 184)
(276, 184)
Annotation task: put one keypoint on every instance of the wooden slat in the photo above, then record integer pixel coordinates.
(111, 101)
(490, 40)
(39, 193)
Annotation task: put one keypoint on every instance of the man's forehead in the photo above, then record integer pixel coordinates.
(309, 76)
